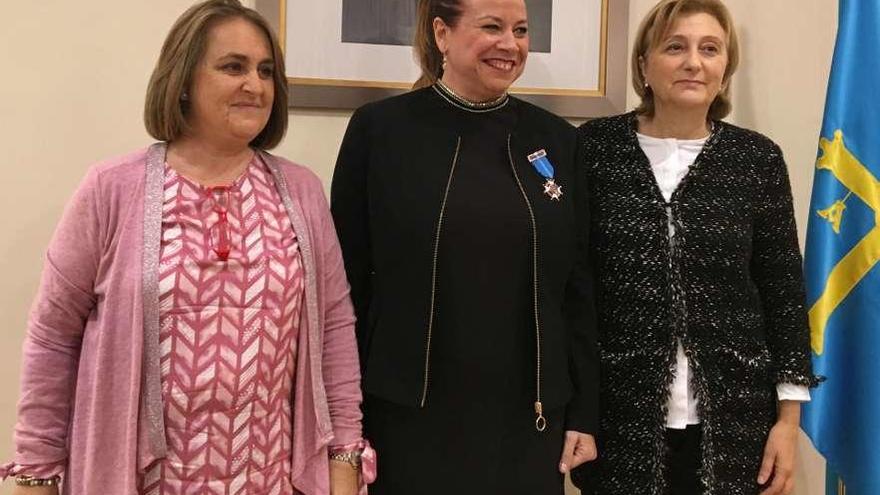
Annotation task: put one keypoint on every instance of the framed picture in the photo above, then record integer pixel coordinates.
(344, 53)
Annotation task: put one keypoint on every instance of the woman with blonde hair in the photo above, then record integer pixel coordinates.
(193, 331)
(703, 336)
(457, 207)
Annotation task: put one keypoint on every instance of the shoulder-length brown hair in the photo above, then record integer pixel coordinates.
(425, 44)
(165, 108)
(654, 27)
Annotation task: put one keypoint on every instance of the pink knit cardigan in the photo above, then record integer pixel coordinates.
(90, 406)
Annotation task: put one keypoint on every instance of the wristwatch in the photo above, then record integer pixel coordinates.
(25, 480)
(352, 457)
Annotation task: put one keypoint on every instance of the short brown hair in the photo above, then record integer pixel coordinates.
(425, 44)
(655, 26)
(165, 107)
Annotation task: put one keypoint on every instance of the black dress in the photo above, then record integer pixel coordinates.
(468, 437)
(472, 291)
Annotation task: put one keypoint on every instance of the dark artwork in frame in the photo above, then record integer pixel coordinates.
(392, 22)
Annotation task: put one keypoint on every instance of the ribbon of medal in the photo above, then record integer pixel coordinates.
(543, 166)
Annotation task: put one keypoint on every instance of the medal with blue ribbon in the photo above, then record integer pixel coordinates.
(543, 166)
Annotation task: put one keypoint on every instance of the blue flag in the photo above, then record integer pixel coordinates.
(843, 247)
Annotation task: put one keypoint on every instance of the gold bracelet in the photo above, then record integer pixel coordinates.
(352, 458)
(25, 480)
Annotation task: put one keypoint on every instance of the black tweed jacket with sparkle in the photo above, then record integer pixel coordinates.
(728, 285)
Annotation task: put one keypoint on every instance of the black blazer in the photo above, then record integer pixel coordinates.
(388, 187)
(729, 287)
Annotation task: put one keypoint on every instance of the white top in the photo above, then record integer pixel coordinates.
(670, 161)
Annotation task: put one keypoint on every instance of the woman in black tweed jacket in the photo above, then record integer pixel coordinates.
(703, 334)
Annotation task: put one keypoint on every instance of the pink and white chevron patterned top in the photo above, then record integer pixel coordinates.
(228, 339)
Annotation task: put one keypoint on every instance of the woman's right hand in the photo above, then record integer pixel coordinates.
(35, 490)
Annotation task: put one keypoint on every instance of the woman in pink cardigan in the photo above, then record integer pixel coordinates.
(193, 331)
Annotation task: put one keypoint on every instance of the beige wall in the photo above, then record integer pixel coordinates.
(73, 85)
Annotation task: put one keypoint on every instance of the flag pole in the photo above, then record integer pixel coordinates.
(833, 482)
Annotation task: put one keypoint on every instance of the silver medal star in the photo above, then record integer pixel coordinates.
(553, 190)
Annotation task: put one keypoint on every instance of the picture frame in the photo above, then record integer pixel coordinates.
(341, 54)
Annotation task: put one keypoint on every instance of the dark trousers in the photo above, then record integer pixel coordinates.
(683, 466)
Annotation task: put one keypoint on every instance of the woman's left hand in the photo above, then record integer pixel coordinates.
(781, 450)
(578, 449)
(343, 479)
